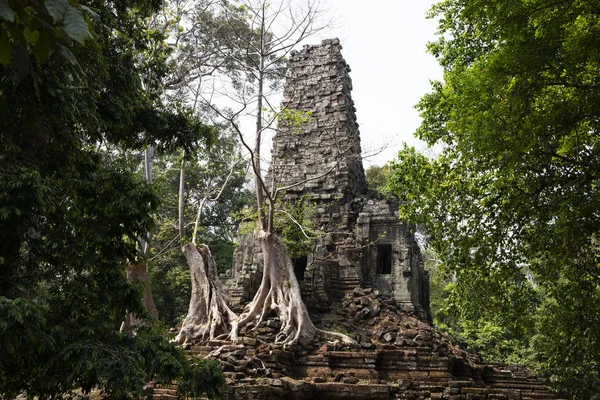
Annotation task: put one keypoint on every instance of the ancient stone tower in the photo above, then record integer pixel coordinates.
(319, 160)
(324, 152)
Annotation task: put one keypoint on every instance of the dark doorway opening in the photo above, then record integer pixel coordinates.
(384, 259)
(299, 267)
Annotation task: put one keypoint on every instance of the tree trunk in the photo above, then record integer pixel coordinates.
(139, 272)
(280, 292)
(208, 314)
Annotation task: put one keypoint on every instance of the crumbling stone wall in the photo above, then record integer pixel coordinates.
(363, 243)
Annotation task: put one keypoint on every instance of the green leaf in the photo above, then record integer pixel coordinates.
(20, 63)
(90, 11)
(75, 25)
(56, 8)
(6, 12)
(16, 33)
(43, 46)
(31, 35)
(76, 70)
(68, 55)
(5, 49)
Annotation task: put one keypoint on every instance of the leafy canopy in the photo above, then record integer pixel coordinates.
(511, 203)
(70, 211)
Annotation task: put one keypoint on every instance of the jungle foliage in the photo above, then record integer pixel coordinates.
(206, 174)
(72, 99)
(511, 202)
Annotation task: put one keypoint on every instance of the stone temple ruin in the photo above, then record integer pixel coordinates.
(365, 244)
(364, 277)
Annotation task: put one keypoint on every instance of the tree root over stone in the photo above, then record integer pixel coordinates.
(280, 292)
(208, 314)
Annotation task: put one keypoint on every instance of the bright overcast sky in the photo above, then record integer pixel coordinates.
(384, 42)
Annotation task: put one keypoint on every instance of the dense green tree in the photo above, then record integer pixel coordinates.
(377, 177)
(30, 31)
(511, 203)
(196, 46)
(70, 212)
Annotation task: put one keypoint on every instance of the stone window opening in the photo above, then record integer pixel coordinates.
(384, 259)
(300, 264)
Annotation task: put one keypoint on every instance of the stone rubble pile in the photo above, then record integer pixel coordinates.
(399, 357)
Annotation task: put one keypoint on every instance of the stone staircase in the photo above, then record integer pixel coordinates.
(160, 392)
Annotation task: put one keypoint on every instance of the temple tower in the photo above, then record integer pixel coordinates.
(323, 151)
(316, 156)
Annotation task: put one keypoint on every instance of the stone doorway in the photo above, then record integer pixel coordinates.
(384, 259)
(300, 267)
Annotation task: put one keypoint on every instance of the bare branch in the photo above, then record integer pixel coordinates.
(167, 247)
(295, 221)
(181, 199)
(206, 198)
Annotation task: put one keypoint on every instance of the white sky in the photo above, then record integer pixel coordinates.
(384, 42)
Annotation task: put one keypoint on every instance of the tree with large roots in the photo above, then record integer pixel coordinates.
(279, 292)
(208, 315)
